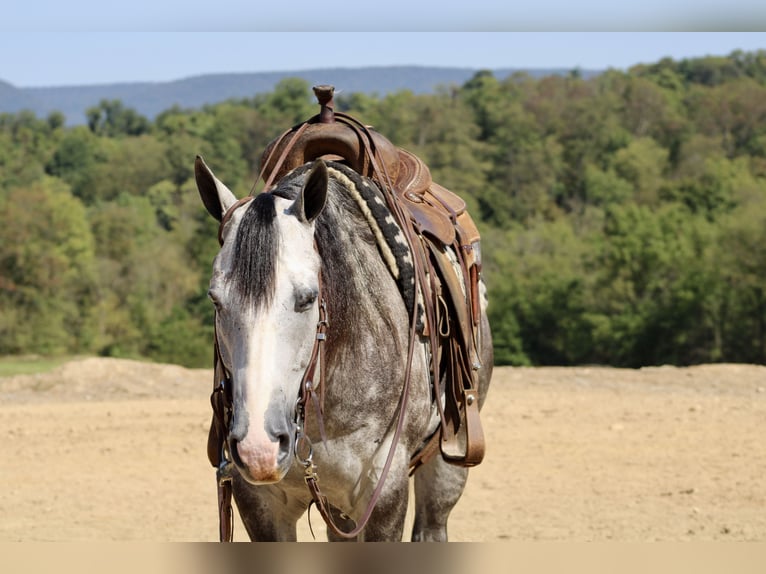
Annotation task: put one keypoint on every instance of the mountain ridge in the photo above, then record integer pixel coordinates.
(153, 97)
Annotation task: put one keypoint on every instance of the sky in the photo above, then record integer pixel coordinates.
(382, 15)
(94, 57)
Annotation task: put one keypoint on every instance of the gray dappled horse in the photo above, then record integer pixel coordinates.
(265, 287)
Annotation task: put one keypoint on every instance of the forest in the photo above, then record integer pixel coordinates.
(623, 216)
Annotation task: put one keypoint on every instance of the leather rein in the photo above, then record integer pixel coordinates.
(313, 382)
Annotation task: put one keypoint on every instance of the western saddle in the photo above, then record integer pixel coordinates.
(446, 248)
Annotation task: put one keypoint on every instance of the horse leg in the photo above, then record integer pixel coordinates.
(438, 487)
(265, 513)
(387, 520)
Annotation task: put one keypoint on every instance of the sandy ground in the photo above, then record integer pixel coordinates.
(104, 449)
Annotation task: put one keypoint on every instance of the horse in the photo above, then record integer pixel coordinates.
(302, 254)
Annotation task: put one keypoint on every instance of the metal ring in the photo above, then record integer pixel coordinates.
(301, 440)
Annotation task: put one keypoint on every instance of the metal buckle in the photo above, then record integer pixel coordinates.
(224, 472)
(323, 320)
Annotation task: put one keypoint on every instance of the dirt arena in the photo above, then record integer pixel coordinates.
(114, 450)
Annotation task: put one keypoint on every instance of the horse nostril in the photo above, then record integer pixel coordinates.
(284, 446)
(234, 451)
(239, 425)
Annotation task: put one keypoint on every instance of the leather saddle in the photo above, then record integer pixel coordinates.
(449, 247)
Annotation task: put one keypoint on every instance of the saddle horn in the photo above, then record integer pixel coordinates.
(329, 135)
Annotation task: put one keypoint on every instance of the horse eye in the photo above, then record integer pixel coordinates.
(212, 296)
(304, 299)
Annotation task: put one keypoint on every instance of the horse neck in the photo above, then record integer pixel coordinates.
(367, 316)
(368, 333)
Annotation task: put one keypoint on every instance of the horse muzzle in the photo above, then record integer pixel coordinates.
(262, 461)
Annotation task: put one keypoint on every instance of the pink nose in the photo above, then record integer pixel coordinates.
(260, 461)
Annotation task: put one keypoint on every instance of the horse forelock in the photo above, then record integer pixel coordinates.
(255, 249)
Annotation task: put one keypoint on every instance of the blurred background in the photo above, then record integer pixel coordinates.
(618, 179)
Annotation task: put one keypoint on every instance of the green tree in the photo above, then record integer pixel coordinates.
(643, 163)
(111, 118)
(46, 271)
(706, 181)
(25, 147)
(75, 160)
(734, 113)
(650, 291)
(142, 274)
(291, 102)
(538, 287)
(605, 187)
(741, 262)
(126, 165)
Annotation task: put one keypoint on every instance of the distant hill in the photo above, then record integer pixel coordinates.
(151, 98)
(13, 99)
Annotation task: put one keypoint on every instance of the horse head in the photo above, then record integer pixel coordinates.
(265, 286)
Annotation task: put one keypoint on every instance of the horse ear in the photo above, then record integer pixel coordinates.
(313, 196)
(215, 195)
